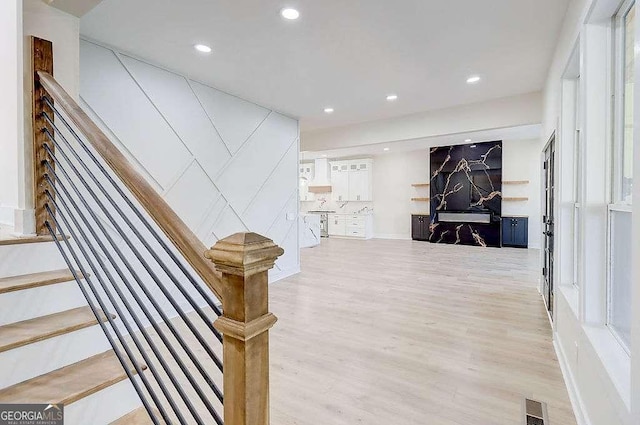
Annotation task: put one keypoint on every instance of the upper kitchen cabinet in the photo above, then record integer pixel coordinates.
(307, 171)
(352, 180)
(359, 186)
(339, 181)
(307, 174)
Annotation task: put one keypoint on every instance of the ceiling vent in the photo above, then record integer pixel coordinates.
(535, 412)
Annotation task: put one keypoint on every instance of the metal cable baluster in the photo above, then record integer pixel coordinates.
(136, 277)
(140, 216)
(189, 298)
(122, 297)
(137, 253)
(140, 284)
(145, 310)
(109, 294)
(105, 330)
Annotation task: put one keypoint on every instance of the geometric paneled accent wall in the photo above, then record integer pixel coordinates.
(224, 164)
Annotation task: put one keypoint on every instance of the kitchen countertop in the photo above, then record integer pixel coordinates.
(353, 213)
(338, 213)
(310, 230)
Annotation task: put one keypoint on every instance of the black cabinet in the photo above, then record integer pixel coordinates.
(420, 227)
(515, 232)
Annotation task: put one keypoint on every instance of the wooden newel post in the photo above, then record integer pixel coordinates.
(244, 260)
(41, 60)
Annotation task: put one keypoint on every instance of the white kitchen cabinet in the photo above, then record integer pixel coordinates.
(351, 225)
(352, 180)
(355, 232)
(339, 181)
(307, 171)
(359, 186)
(307, 174)
(337, 225)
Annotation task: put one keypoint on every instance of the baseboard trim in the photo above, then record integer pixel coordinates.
(188, 308)
(6, 216)
(392, 236)
(574, 395)
(24, 221)
(283, 274)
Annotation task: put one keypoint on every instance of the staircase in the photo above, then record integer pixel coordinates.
(115, 308)
(52, 349)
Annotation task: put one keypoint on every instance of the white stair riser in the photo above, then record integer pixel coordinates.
(41, 301)
(41, 357)
(103, 407)
(22, 259)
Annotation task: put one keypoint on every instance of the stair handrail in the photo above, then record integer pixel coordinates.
(235, 268)
(171, 224)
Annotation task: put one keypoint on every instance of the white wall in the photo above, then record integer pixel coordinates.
(19, 20)
(635, 324)
(224, 164)
(499, 113)
(63, 30)
(393, 175)
(11, 105)
(603, 384)
(521, 161)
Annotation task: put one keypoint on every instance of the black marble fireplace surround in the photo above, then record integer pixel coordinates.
(466, 194)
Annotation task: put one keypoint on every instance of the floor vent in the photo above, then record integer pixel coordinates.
(535, 412)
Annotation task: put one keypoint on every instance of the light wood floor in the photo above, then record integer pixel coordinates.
(401, 332)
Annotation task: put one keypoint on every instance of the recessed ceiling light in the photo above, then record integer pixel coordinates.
(472, 146)
(473, 80)
(328, 110)
(386, 149)
(290, 13)
(392, 97)
(202, 48)
(467, 140)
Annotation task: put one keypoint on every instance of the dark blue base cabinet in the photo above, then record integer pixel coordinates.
(420, 227)
(515, 232)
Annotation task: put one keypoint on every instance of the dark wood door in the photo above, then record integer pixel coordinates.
(548, 225)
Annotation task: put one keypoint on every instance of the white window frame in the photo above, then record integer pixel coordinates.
(578, 185)
(617, 204)
(571, 137)
(619, 102)
(610, 263)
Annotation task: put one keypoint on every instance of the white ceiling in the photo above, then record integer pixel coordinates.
(347, 54)
(508, 135)
(74, 7)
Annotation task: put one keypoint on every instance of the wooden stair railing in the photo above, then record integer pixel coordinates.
(182, 237)
(235, 269)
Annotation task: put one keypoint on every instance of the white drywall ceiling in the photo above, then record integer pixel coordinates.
(345, 54)
(511, 134)
(74, 7)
